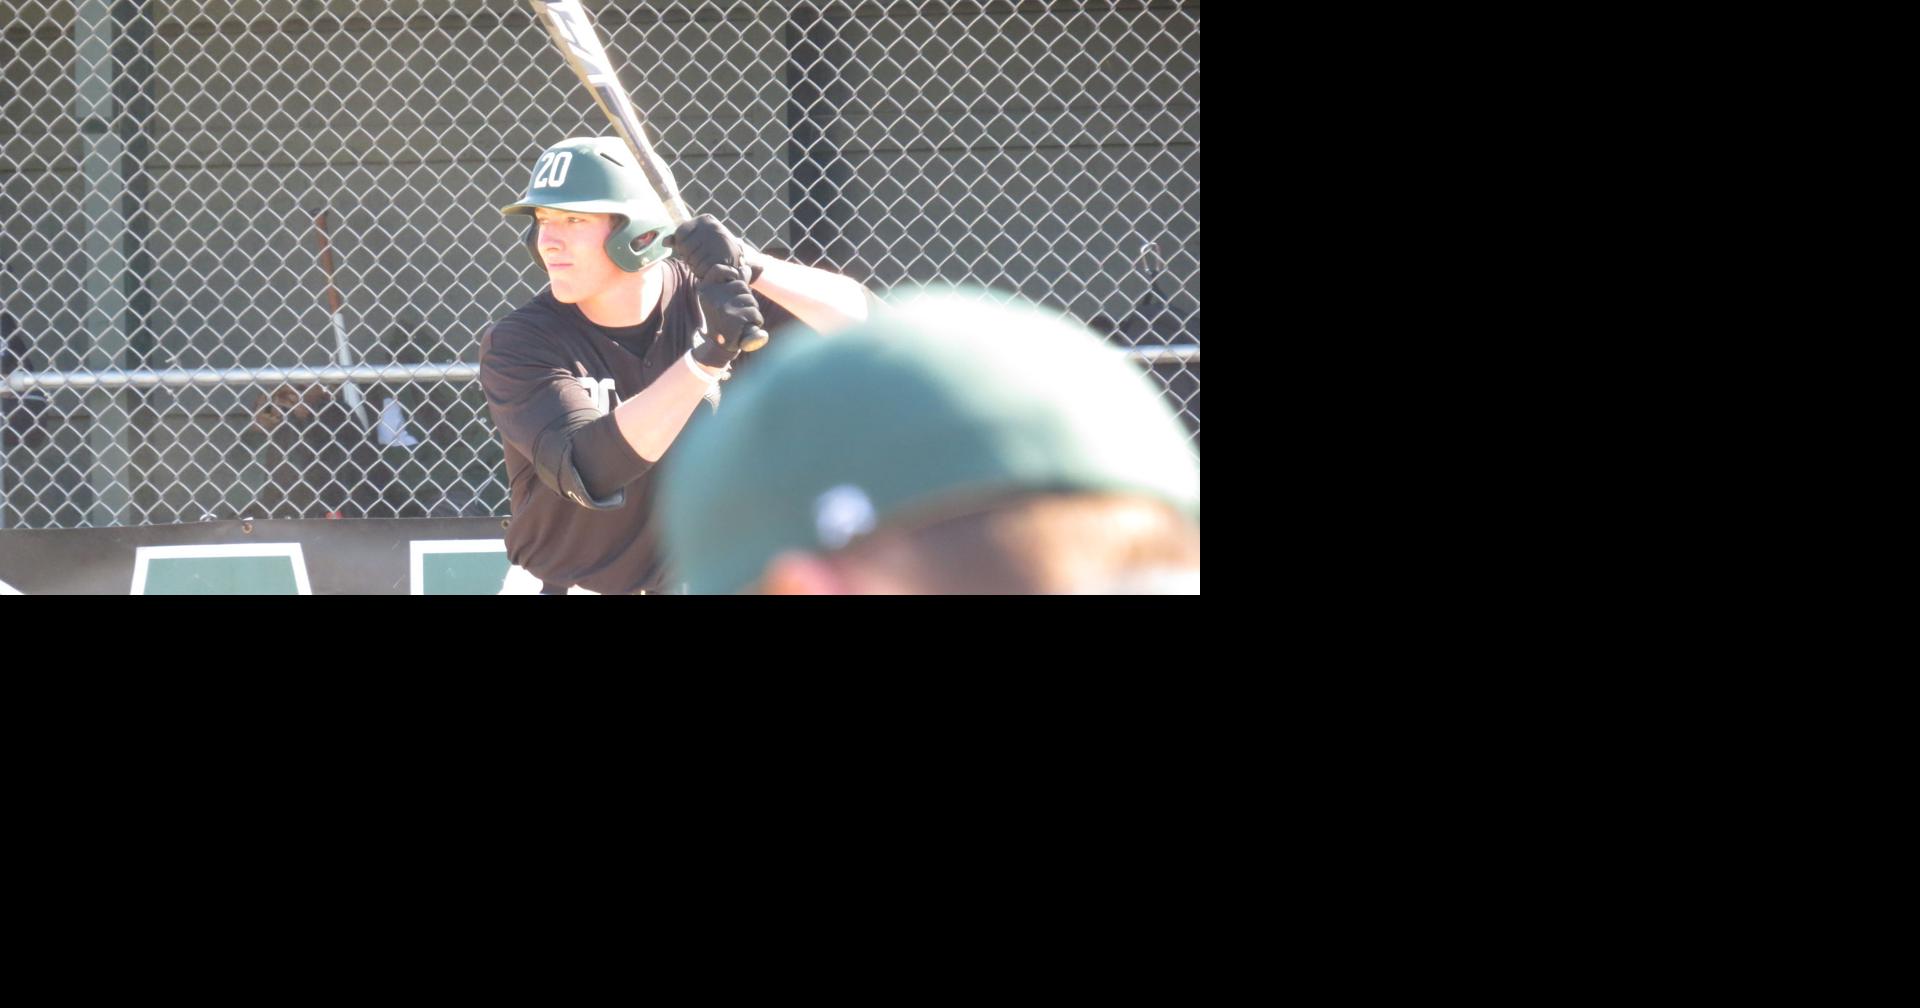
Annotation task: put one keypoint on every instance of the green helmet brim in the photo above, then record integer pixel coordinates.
(581, 206)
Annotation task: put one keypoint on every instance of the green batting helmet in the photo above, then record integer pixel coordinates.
(598, 175)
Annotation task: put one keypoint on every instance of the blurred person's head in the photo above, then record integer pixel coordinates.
(954, 444)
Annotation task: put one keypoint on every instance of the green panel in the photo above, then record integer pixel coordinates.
(255, 575)
(462, 573)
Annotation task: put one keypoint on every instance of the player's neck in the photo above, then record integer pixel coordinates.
(626, 302)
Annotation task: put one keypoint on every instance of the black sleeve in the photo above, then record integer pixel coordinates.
(542, 410)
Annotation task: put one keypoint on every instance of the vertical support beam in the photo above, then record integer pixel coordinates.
(135, 58)
(104, 228)
(818, 65)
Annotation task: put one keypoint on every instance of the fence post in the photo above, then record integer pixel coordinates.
(96, 109)
(818, 65)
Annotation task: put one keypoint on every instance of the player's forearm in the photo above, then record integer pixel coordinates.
(651, 420)
(823, 300)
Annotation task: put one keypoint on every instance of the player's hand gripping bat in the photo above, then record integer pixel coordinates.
(566, 21)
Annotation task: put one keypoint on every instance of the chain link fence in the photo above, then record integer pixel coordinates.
(249, 246)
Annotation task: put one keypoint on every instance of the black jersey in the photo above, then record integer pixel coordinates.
(582, 498)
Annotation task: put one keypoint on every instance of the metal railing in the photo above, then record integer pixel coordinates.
(20, 383)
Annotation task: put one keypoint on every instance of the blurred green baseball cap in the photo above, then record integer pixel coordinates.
(943, 401)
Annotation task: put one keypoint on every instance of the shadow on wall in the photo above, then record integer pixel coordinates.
(21, 412)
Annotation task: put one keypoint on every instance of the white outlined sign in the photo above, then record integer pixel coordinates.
(321, 556)
(456, 566)
(221, 569)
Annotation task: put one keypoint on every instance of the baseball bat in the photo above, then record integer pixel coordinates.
(566, 22)
(343, 354)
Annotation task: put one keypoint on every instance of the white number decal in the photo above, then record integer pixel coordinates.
(551, 169)
(601, 391)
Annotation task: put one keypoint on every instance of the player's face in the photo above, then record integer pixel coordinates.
(573, 245)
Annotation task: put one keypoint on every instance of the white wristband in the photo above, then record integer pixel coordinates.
(700, 372)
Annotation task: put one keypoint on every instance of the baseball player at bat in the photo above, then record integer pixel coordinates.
(592, 381)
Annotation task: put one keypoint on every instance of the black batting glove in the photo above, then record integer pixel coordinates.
(703, 243)
(728, 304)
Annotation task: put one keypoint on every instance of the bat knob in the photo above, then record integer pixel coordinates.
(753, 339)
